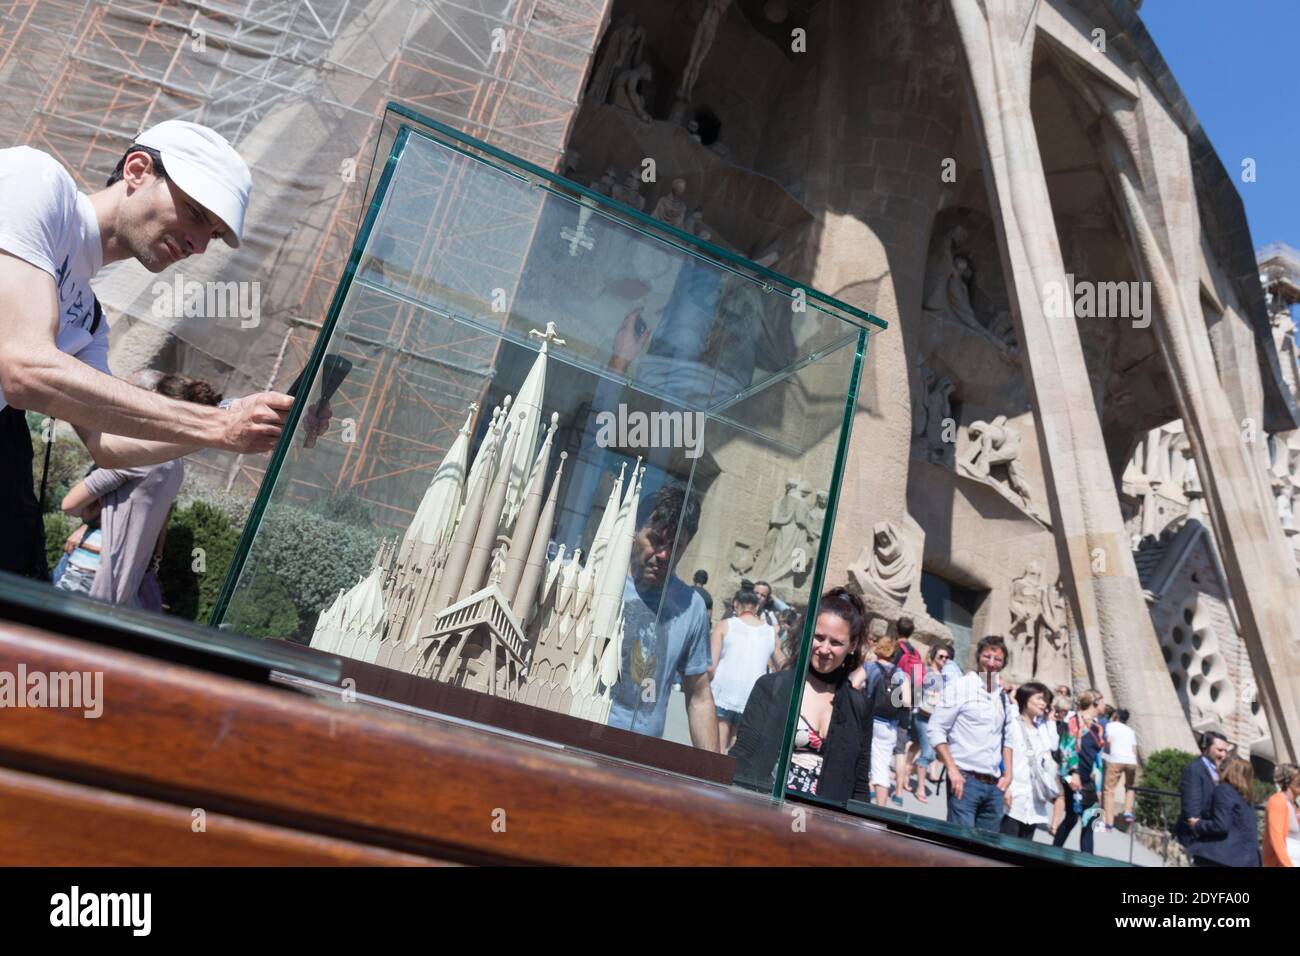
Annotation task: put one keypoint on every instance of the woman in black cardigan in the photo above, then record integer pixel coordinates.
(832, 751)
(1227, 835)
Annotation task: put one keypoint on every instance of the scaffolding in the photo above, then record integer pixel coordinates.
(299, 87)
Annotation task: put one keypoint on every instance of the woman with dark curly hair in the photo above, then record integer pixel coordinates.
(832, 742)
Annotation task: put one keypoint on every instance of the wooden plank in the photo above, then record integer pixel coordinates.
(46, 822)
(424, 786)
(537, 722)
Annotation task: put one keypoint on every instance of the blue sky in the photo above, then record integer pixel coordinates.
(1235, 61)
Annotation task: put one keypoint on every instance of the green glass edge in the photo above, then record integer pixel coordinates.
(656, 227)
(819, 570)
(323, 339)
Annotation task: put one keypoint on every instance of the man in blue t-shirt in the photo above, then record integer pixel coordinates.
(665, 626)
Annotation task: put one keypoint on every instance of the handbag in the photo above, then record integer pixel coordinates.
(1043, 779)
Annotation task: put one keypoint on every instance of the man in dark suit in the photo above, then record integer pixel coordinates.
(1197, 785)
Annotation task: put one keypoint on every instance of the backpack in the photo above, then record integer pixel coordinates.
(880, 676)
(913, 665)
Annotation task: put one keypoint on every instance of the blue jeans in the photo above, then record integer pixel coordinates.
(980, 805)
(919, 726)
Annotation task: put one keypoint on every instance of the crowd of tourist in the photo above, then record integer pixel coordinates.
(883, 715)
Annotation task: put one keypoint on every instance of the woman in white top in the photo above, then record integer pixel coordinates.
(1034, 773)
(743, 645)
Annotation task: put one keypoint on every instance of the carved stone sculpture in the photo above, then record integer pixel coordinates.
(991, 444)
(932, 415)
(787, 531)
(671, 208)
(627, 90)
(606, 183)
(623, 48)
(887, 567)
(1037, 613)
(700, 45)
(948, 285)
(629, 191)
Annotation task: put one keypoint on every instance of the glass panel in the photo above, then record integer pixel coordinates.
(547, 413)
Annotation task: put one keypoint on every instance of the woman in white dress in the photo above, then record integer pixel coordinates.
(742, 646)
(1034, 773)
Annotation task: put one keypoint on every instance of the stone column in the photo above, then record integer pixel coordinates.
(1117, 639)
(1155, 190)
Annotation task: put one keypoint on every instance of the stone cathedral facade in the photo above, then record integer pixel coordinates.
(1080, 430)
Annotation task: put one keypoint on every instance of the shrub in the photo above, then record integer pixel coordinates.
(190, 585)
(312, 555)
(263, 609)
(1163, 771)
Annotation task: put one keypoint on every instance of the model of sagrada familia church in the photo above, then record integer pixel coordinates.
(468, 595)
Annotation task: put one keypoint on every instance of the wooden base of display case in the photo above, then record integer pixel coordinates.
(280, 776)
(536, 722)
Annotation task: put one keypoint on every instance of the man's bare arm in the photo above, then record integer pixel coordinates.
(701, 717)
(134, 451)
(35, 375)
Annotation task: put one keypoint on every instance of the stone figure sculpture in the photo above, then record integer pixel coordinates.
(931, 413)
(606, 183)
(629, 191)
(787, 531)
(948, 295)
(995, 443)
(1026, 604)
(627, 90)
(623, 48)
(700, 45)
(1037, 613)
(887, 566)
(671, 208)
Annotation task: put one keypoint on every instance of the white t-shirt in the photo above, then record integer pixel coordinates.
(1123, 743)
(47, 221)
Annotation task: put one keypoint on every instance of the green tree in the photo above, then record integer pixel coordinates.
(1163, 771)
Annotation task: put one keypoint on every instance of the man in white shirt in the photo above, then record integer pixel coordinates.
(179, 186)
(970, 734)
(1121, 762)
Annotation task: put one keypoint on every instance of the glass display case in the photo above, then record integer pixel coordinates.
(547, 411)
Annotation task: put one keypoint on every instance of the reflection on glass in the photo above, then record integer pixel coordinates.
(545, 418)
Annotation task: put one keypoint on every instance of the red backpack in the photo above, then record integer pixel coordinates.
(912, 664)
